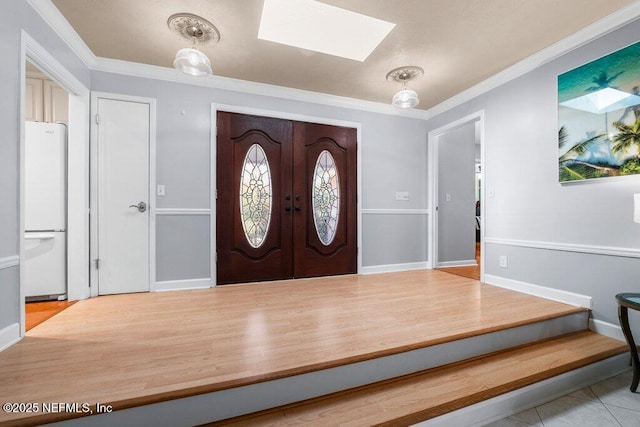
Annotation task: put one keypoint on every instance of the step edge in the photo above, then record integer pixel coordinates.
(531, 396)
(603, 355)
(505, 388)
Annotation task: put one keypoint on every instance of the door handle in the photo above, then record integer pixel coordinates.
(297, 208)
(287, 208)
(142, 206)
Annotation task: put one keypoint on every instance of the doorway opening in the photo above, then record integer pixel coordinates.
(67, 98)
(456, 226)
(45, 160)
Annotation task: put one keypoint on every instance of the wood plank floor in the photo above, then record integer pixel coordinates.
(127, 350)
(470, 271)
(38, 312)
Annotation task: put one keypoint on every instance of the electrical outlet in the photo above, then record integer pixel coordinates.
(503, 261)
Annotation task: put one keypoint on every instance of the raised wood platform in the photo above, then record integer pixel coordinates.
(223, 350)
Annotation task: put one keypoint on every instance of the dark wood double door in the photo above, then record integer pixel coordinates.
(286, 199)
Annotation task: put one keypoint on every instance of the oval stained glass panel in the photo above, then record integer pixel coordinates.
(326, 197)
(256, 196)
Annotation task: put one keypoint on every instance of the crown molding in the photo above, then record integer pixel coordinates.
(58, 23)
(225, 83)
(587, 34)
(61, 26)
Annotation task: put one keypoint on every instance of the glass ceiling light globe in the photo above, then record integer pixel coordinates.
(406, 98)
(192, 61)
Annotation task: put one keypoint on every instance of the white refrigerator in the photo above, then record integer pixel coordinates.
(45, 210)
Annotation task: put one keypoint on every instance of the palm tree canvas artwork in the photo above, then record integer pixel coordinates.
(599, 117)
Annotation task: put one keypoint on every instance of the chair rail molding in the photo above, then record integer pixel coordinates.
(396, 211)
(10, 261)
(182, 211)
(567, 247)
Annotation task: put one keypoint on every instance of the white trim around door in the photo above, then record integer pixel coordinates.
(95, 96)
(78, 170)
(285, 116)
(432, 142)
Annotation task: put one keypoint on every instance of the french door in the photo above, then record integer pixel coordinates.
(286, 199)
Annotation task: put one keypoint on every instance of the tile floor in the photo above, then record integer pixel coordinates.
(607, 403)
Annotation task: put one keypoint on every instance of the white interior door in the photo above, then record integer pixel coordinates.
(123, 190)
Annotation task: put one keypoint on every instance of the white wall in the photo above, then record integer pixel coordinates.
(554, 235)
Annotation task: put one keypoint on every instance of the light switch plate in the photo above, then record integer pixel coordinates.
(402, 195)
(161, 190)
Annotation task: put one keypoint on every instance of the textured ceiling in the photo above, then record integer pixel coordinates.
(458, 42)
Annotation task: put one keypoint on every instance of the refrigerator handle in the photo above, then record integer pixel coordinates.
(39, 236)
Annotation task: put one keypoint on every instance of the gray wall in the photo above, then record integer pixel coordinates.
(18, 15)
(531, 206)
(393, 151)
(456, 178)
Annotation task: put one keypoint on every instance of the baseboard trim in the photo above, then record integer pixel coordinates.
(181, 285)
(9, 336)
(531, 396)
(390, 268)
(540, 291)
(607, 329)
(462, 263)
(10, 261)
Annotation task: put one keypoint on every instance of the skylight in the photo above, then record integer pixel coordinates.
(309, 24)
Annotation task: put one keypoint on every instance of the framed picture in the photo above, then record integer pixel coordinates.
(599, 117)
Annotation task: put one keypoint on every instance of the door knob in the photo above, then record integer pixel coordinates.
(142, 206)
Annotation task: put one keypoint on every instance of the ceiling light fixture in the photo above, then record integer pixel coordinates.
(405, 98)
(197, 30)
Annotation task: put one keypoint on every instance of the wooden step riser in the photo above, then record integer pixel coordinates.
(256, 397)
(445, 390)
(533, 395)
